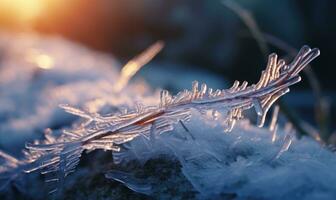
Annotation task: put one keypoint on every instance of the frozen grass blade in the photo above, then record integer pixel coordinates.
(136, 63)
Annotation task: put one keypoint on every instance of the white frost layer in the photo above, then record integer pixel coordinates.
(243, 162)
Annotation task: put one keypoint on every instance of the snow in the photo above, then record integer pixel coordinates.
(39, 73)
(245, 161)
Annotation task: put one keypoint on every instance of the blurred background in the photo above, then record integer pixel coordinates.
(226, 40)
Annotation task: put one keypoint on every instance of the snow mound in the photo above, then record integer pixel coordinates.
(244, 163)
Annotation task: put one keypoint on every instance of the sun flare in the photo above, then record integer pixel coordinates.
(22, 10)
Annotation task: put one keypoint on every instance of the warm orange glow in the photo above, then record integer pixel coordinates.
(22, 10)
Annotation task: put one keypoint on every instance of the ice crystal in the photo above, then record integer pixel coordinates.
(60, 154)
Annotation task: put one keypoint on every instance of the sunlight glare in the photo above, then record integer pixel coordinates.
(22, 10)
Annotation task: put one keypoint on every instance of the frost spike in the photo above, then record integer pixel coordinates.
(234, 86)
(285, 146)
(194, 89)
(274, 67)
(75, 111)
(243, 86)
(268, 104)
(257, 107)
(217, 93)
(203, 90)
(210, 92)
(274, 118)
(274, 134)
(71, 134)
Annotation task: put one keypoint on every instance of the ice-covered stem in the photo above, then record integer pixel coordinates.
(288, 73)
(60, 155)
(274, 82)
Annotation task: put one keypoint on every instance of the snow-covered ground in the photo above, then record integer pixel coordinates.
(39, 73)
